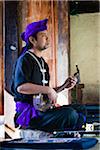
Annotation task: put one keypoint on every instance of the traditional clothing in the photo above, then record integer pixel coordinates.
(34, 28)
(31, 30)
(29, 70)
(62, 118)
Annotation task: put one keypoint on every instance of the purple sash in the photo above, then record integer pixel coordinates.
(27, 113)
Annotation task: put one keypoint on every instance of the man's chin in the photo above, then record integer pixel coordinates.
(44, 48)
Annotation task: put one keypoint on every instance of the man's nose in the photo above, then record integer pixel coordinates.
(47, 38)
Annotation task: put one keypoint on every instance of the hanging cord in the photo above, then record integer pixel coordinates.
(40, 105)
(42, 69)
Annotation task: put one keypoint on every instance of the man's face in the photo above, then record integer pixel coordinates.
(42, 41)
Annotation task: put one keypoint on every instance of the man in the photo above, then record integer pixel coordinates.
(35, 99)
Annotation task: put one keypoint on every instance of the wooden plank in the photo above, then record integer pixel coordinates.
(63, 40)
(1, 60)
(11, 39)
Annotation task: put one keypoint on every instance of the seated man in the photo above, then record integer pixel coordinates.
(35, 99)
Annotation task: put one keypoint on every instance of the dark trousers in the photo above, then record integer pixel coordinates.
(59, 119)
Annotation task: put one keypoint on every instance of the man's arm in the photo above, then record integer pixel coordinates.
(30, 88)
(69, 84)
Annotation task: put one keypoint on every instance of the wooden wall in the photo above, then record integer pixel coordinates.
(1, 59)
(57, 13)
(37, 10)
(18, 14)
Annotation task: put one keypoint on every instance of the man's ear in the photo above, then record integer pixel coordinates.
(32, 40)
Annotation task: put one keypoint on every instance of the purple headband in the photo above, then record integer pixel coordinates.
(34, 28)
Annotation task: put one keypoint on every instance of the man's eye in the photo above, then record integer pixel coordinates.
(43, 36)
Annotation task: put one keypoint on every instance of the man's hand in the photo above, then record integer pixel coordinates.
(52, 95)
(70, 83)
